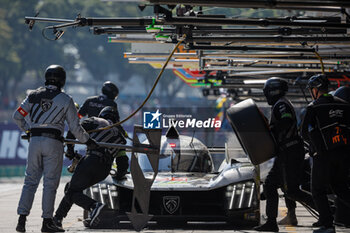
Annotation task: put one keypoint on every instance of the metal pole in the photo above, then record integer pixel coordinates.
(131, 21)
(51, 20)
(246, 48)
(120, 146)
(277, 31)
(257, 4)
(197, 21)
(267, 39)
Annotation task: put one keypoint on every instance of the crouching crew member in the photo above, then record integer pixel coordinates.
(287, 168)
(326, 126)
(42, 114)
(95, 166)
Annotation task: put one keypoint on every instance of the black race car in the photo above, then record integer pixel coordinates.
(186, 187)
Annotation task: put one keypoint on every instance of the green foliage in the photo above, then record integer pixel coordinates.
(23, 51)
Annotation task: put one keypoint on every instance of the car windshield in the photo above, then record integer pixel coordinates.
(176, 161)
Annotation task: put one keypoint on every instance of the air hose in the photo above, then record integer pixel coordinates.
(321, 61)
(149, 94)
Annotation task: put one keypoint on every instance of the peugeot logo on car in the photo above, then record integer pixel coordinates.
(171, 203)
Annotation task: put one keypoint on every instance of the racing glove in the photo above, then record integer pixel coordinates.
(91, 144)
(123, 132)
(70, 152)
(122, 166)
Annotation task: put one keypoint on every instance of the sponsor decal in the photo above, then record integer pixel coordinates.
(22, 111)
(45, 104)
(96, 105)
(182, 179)
(171, 203)
(171, 181)
(336, 113)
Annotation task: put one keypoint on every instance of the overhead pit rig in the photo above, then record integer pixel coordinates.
(234, 54)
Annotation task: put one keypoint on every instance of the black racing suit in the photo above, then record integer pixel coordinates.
(94, 167)
(287, 168)
(94, 104)
(326, 127)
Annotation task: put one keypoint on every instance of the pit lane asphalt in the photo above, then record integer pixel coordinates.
(10, 190)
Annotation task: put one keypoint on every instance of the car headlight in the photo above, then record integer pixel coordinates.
(104, 193)
(240, 195)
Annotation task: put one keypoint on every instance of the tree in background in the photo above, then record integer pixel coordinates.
(28, 53)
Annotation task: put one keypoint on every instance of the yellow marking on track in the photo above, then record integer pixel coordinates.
(291, 229)
(69, 224)
(283, 212)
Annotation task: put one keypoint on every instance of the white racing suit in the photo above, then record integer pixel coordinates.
(43, 113)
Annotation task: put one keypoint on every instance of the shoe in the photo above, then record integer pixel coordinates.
(268, 226)
(50, 226)
(289, 220)
(325, 230)
(21, 225)
(95, 213)
(57, 221)
(317, 224)
(86, 222)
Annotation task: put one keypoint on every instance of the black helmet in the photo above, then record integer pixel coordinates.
(109, 113)
(55, 75)
(110, 90)
(318, 81)
(274, 89)
(343, 93)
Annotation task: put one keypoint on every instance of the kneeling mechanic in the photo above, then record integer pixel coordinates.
(94, 167)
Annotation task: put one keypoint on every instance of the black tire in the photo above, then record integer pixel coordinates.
(249, 125)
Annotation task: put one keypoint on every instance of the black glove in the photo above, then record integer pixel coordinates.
(122, 167)
(70, 153)
(119, 176)
(91, 144)
(123, 132)
(106, 159)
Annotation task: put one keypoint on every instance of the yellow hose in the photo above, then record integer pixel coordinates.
(149, 94)
(321, 61)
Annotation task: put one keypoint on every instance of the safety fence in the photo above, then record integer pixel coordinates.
(14, 151)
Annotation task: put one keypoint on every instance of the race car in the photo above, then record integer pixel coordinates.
(187, 187)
